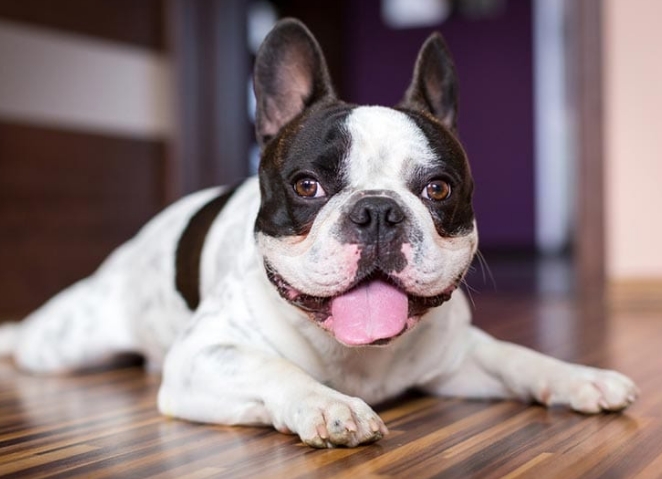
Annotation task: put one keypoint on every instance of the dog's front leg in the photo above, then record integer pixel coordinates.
(240, 385)
(497, 369)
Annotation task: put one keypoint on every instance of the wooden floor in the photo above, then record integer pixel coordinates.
(106, 424)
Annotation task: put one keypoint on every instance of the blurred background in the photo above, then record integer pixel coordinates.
(112, 109)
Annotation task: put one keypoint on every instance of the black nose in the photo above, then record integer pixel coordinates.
(376, 216)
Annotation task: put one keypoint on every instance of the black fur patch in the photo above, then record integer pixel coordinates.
(452, 217)
(189, 248)
(313, 145)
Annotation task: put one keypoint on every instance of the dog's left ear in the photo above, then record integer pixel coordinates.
(434, 86)
(290, 75)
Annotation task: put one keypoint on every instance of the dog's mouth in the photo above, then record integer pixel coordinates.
(373, 311)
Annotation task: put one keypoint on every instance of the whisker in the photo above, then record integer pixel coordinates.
(485, 267)
(469, 290)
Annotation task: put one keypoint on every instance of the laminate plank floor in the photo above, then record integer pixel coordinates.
(106, 424)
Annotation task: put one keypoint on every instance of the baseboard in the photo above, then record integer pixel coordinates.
(636, 293)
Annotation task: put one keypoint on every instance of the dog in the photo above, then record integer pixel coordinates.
(327, 283)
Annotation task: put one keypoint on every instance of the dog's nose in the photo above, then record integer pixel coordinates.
(376, 215)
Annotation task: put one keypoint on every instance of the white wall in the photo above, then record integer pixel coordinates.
(633, 139)
(73, 81)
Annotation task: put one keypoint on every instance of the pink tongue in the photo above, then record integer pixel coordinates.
(376, 310)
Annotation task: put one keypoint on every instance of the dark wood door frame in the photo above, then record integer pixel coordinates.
(585, 78)
(207, 42)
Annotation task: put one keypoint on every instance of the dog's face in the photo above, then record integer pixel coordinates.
(366, 219)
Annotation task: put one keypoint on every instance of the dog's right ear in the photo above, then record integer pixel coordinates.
(290, 75)
(434, 85)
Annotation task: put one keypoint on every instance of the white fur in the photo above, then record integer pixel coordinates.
(386, 147)
(248, 357)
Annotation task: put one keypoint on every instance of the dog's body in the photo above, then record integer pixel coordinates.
(331, 278)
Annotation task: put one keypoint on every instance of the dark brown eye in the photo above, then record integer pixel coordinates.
(437, 190)
(309, 188)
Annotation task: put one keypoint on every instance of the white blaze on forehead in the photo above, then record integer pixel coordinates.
(386, 146)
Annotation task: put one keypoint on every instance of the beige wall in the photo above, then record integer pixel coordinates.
(65, 80)
(633, 139)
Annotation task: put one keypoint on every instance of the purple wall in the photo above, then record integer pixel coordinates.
(494, 63)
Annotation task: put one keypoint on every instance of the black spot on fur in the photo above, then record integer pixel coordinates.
(189, 248)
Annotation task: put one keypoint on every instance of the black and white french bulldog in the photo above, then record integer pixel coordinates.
(328, 283)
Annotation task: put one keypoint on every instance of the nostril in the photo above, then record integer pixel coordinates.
(394, 216)
(361, 216)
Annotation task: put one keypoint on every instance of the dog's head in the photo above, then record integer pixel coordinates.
(366, 219)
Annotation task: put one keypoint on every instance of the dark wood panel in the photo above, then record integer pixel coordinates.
(138, 22)
(584, 40)
(66, 200)
(106, 424)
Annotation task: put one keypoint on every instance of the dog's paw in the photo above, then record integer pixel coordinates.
(331, 420)
(590, 390)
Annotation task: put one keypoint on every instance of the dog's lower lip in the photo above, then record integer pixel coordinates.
(319, 306)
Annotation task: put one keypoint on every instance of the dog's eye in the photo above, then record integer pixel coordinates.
(309, 188)
(437, 190)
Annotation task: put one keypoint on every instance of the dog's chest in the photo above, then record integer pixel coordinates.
(374, 374)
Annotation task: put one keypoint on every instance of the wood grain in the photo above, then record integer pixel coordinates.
(106, 424)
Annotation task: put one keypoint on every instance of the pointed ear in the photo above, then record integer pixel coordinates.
(290, 75)
(434, 86)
